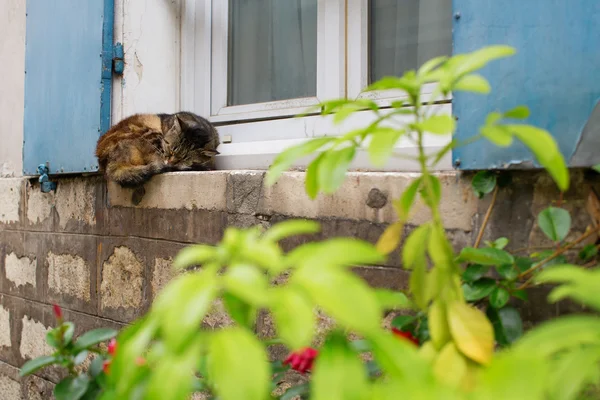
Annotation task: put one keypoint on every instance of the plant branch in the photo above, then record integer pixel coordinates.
(486, 218)
(554, 255)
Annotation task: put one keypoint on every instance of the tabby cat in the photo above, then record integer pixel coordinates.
(143, 145)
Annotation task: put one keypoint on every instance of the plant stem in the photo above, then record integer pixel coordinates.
(486, 218)
(554, 255)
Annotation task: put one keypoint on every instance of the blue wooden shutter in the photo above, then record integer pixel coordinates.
(556, 73)
(68, 65)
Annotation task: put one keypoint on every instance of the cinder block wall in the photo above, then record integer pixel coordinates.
(103, 253)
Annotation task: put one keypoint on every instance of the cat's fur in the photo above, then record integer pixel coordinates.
(143, 145)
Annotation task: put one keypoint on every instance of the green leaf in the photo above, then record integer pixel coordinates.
(588, 252)
(474, 272)
(286, 159)
(437, 319)
(415, 246)
(191, 295)
(239, 310)
(231, 351)
(407, 199)
(247, 283)
(333, 167)
(80, 357)
(291, 227)
(96, 366)
(392, 82)
(172, 378)
(550, 337)
(480, 58)
(438, 124)
(68, 329)
(555, 223)
(294, 317)
(572, 372)
(497, 134)
(404, 322)
(546, 151)
(194, 255)
(473, 83)
(507, 271)
(596, 168)
(353, 304)
(312, 176)
(515, 376)
(450, 366)
(479, 289)
(523, 263)
(338, 251)
(519, 112)
(418, 283)
(521, 294)
(507, 323)
(392, 300)
(382, 144)
(299, 390)
(430, 65)
(36, 364)
(436, 191)
(500, 243)
(94, 337)
(499, 297)
(71, 388)
(483, 183)
(338, 373)
(52, 337)
(578, 283)
(485, 256)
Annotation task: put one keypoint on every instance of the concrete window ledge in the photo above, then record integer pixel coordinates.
(363, 196)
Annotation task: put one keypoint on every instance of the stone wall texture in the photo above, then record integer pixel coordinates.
(103, 253)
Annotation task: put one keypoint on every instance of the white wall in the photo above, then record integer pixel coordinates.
(12, 75)
(150, 33)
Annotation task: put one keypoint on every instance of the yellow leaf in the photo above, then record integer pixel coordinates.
(451, 366)
(390, 238)
(427, 351)
(438, 324)
(472, 332)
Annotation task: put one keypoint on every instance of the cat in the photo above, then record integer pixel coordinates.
(143, 145)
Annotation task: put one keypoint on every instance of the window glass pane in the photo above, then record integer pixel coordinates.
(272, 51)
(403, 34)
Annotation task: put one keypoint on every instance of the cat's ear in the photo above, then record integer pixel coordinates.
(187, 120)
(210, 153)
(173, 129)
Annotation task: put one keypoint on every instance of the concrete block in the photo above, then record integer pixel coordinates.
(122, 282)
(244, 191)
(11, 190)
(352, 200)
(4, 327)
(33, 339)
(217, 317)
(183, 225)
(76, 201)
(162, 273)
(176, 190)
(10, 389)
(40, 207)
(20, 270)
(69, 274)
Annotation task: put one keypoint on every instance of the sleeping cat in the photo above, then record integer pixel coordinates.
(143, 145)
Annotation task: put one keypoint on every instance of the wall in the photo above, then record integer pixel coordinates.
(12, 75)
(103, 253)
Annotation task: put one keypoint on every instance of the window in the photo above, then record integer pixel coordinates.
(251, 65)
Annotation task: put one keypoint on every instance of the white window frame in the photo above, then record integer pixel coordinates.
(252, 135)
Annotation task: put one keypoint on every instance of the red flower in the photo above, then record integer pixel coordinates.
(140, 361)
(405, 335)
(302, 360)
(106, 366)
(58, 312)
(112, 346)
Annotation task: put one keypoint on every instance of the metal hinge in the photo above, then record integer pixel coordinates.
(45, 184)
(118, 59)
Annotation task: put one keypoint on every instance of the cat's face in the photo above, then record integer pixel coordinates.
(191, 142)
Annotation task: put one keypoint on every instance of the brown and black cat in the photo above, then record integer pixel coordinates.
(143, 145)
